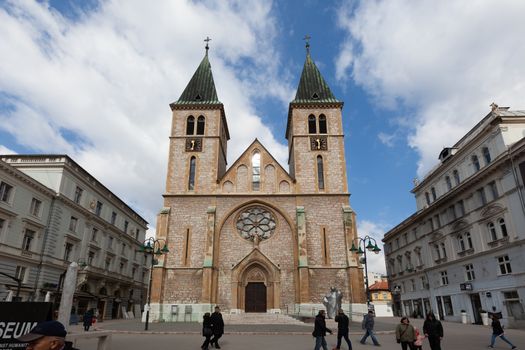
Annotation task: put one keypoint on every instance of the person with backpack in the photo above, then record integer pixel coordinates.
(368, 326)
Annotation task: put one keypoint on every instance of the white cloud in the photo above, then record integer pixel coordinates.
(98, 88)
(5, 150)
(375, 262)
(387, 139)
(445, 61)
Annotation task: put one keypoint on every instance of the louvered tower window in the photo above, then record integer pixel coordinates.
(200, 125)
(190, 125)
(322, 124)
(312, 129)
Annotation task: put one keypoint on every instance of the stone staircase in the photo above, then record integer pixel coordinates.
(260, 318)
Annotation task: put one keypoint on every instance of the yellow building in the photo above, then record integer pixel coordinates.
(381, 298)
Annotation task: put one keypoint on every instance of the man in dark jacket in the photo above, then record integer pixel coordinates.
(433, 330)
(342, 329)
(217, 327)
(320, 331)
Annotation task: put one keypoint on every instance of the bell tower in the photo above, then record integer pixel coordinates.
(199, 135)
(315, 135)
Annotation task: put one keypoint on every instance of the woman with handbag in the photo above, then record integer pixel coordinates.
(206, 330)
(405, 334)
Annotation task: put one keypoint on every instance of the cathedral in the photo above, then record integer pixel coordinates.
(252, 236)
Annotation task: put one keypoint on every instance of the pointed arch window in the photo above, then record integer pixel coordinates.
(256, 171)
(312, 129)
(201, 122)
(320, 173)
(322, 124)
(190, 125)
(191, 177)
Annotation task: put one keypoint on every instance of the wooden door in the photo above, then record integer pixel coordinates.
(255, 297)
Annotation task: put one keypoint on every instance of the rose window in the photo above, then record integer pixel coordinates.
(256, 222)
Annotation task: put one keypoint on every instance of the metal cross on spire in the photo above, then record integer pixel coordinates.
(207, 47)
(307, 39)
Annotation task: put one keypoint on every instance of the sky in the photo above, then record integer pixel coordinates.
(94, 79)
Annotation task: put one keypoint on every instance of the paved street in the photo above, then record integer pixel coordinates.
(130, 335)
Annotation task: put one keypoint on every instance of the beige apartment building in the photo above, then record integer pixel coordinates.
(462, 251)
(52, 213)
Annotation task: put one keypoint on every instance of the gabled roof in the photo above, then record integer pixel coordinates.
(381, 285)
(312, 86)
(263, 149)
(201, 88)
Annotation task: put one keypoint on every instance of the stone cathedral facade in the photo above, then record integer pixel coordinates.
(254, 237)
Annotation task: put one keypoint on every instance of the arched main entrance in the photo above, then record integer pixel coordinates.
(255, 297)
(255, 282)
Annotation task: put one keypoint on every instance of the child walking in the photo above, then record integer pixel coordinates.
(418, 344)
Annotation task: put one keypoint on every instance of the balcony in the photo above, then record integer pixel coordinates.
(26, 253)
(465, 252)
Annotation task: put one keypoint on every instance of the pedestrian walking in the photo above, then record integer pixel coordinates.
(320, 331)
(87, 319)
(418, 344)
(217, 326)
(497, 331)
(368, 326)
(433, 331)
(207, 332)
(405, 334)
(342, 329)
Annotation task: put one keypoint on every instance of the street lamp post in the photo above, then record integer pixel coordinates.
(367, 245)
(152, 247)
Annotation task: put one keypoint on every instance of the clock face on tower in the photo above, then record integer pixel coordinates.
(193, 144)
(318, 143)
(256, 223)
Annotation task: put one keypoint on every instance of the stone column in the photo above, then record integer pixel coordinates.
(207, 269)
(303, 285)
(68, 290)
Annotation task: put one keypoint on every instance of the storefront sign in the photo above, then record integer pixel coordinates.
(17, 319)
(465, 286)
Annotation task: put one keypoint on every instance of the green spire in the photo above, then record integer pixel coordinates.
(312, 87)
(201, 88)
